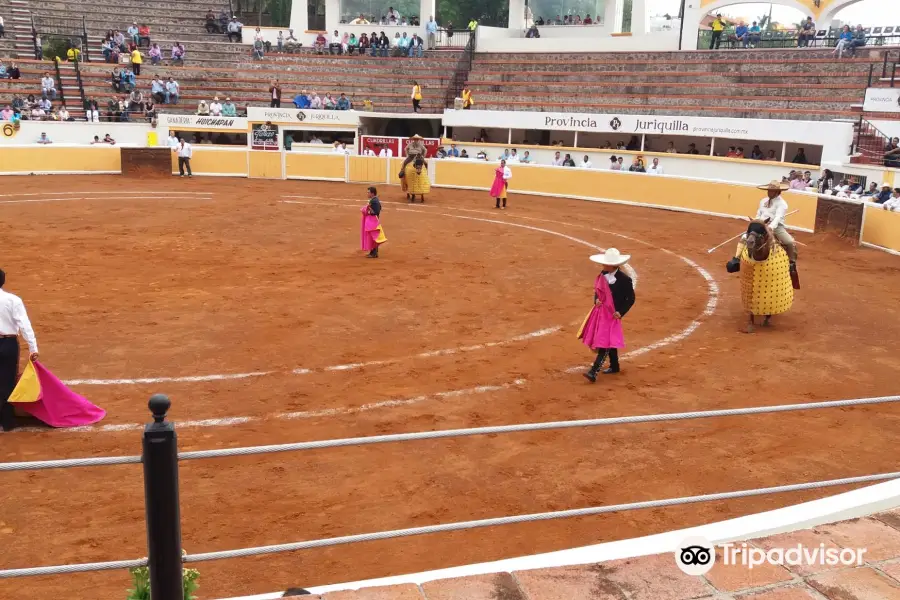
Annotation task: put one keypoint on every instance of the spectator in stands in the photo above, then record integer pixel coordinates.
(329, 103)
(671, 149)
(742, 34)
(155, 54)
(234, 30)
(845, 42)
(718, 26)
(150, 111)
(136, 60)
(132, 32)
(384, 44)
(136, 100)
(224, 19)
(393, 16)
(756, 153)
(353, 44)
(203, 109)
(45, 104)
(119, 41)
(2, 28)
(73, 54)
(128, 80)
(212, 25)
(755, 34)
(655, 168)
(637, 165)
(692, 149)
(364, 44)
(807, 33)
(800, 157)
(315, 102)
(613, 163)
(13, 71)
(157, 90)
(739, 153)
(385, 152)
(771, 155)
(893, 204)
(884, 195)
(825, 182)
(172, 91)
(4, 74)
(568, 162)
(557, 160)
(320, 44)
(416, 48)
(343, 102)
(873, 190)
(732, 152)
(416, 97)
(107, 50)
(403, 45)
(275, 95)
(634, 143)
(859, 39)
(291, 43)
(6, 114)
(48, 86)
(431, 33)
(44, 139)
(301, 100)
(215, 109)
(335, 47)
(229, 109)
(178, 54)
(588, 20)
(892, 153)
(796, 181)
(464, 154)
(586, 163)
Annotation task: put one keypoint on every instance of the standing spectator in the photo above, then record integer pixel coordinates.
(280, 41)
(185, 152)
(826, 181)
(416, 96)
(234, 30)
(467, 100)
(136, 60)
(215, 109)
(229, 109)
(275, 95)
(144, 35)
(655, 168)
(807, 33)
(48, 86)
(224, 19)
(73, 54)
(132, 32)
(718, 26)
(431, 33)
(172, 91)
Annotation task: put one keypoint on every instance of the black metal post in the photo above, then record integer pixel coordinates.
(871, 71)
(160, 458)
(893, 74)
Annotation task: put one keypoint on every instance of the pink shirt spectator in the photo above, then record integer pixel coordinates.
(798, 184)
(156, 52)
(6, 114)
(177, 52)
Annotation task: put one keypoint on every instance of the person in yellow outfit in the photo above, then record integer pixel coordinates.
(416, 96)
(73, 54)
(417, 182)
(136, 60)
(718, 26)
(473, 24)
(467, 98)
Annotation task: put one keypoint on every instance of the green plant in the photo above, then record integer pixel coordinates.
(140, 579)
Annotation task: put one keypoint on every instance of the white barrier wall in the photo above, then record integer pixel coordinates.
(578, 40)
(78, 132)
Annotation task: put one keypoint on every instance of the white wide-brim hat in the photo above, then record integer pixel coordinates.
(611, 257)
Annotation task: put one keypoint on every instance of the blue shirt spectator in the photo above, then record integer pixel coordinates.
(301, 100)
(431, 26)
(740, 31)
(453, 151)
(404, 41)
(343, 103)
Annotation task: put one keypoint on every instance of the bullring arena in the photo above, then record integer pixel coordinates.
(249, 303)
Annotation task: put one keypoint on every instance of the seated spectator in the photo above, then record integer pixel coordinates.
(132, 32)
(416, 47)
(588, 20)
(172, 91)
(48, 86)
(215, 109)
(526, 158)
(44, 138)
(212, 25)
(291, 43)
(619, 145)
(157, 90)
(873, 190)
(337, 43)
(364, 44)
(807, 33)
(259, 49)
(892, 153)
(124, 109)
(568, 162)
(807, 178)
(586, 163)
(692, 149)
(859, 38)
(73, 54)
(343, 103)
(739, 153)
(671, 149)
(301, 100)
(655, 168)
(13, 72)
(756, 153)
(755, 35)
(352, 44)
(45, 105)
(464, 154)
(178, 54)
(621, 163)
(796, 181)
(229, 109)
(319, 44)
(108, 139)
(150, 111)
(732, 152)
(384, 43)
(37, 114)
(742, 34)
(482, 155)
(893, 204)
(845, 42)
(234, 30)
(771, 155)
(144, 35)
(136, 100)
(128, 80)
(884, 195)
(6, 114)
(203, 109)
(155, 54)
(360, 20)
(634, 144)
(637, 166)
(119, 41)
(533, 32)
(396, 48)
(613, 163)
(800, 157)
(315, 102)
(385, 152)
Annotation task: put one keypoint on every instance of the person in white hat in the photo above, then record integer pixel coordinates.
(772, 211)
(613, 298)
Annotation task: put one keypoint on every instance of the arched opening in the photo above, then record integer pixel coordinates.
(771, 25)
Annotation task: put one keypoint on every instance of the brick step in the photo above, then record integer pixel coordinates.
(675, 90)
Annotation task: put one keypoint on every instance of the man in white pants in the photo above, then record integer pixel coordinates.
(772, 211)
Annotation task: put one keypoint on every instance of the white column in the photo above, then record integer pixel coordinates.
(783, 151)
(575, 143)
(712, 147)
(332, 16)
(693, 14)
(427, 9)
(612, 16)
(517, 15)
(639, 21)
(299, 17)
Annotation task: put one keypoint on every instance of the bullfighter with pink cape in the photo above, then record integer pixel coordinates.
(372, 232)
(613, 298)
(43, 396)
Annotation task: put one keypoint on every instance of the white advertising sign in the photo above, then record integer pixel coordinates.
(882, 100)
(203, 122)
(750, 129)
(295, 116)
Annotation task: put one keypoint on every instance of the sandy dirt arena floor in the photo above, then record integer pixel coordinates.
(473, 314)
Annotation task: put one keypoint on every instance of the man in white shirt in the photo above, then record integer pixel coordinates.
(557, 160)
(336, 43)
(655, 168)
(368, 152)
(385, 152)
(215, 109)
(337, 148)
(13, 321)
(315, 102)
(172, 141)
(772, 211)
(44, 139)
(893, 204)
(185, 152)
(586, 163)
(513, 157)
(48, 86)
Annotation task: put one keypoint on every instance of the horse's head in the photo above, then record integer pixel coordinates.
(758, 238)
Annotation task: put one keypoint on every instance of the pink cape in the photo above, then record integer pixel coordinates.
(497, 187)
(369, 231)
(59, 406)
(601, 329)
